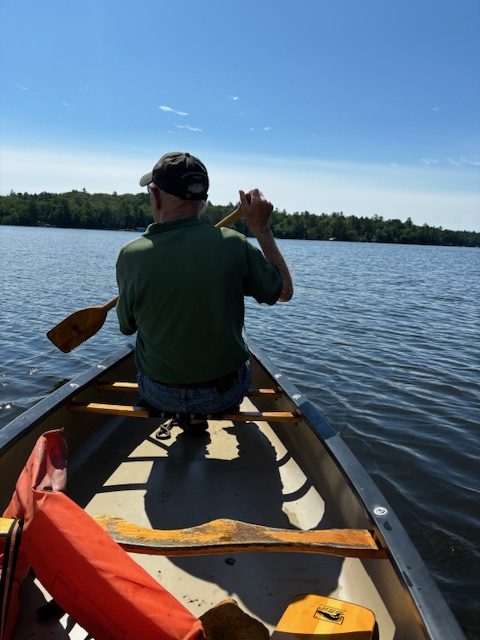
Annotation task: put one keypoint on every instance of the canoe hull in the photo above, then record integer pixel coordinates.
(296, 474)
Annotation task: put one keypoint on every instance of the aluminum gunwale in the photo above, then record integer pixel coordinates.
(438, 620)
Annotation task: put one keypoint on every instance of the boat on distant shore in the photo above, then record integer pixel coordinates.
(267, 504)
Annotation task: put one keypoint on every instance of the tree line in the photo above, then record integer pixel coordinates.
(82, 210)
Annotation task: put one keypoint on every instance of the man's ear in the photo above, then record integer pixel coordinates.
(157, 197)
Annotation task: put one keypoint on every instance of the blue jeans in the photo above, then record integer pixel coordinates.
(202, 401)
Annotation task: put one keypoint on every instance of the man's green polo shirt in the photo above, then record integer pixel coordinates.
(182, 286)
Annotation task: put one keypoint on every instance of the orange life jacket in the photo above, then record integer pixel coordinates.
(45, 469)
(84, 570)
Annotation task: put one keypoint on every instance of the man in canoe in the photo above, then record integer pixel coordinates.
(182, 286)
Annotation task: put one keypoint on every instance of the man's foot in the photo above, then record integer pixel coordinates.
(194, 428)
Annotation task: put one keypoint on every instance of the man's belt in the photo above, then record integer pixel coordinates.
(223, 383)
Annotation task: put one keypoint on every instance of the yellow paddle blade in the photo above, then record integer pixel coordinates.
(312, 616)
(79, 326)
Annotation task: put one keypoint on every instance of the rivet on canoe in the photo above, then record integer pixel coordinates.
(380, 511)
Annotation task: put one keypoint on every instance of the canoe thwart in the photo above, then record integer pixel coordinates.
(312, 616)
(233, 536)
(134, 411)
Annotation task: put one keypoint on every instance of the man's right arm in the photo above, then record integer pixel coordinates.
(258, 210)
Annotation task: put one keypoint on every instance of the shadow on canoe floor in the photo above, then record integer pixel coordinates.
(188, 488)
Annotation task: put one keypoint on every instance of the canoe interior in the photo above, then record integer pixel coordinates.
(279, 475)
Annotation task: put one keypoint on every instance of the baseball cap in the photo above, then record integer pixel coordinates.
(180, 174)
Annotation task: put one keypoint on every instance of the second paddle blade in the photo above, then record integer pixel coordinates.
(77, 328)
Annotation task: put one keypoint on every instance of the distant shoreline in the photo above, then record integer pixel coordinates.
(82, 210)
(423, 244)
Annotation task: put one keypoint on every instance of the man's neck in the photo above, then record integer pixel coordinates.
(171, 216)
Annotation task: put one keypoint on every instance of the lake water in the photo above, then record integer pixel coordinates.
(383, 338)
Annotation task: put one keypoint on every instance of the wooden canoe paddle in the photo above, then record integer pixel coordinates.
(83, 324)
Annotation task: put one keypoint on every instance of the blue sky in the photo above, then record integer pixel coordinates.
(364, 107)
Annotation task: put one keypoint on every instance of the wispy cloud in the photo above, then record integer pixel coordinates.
(168, 109)
(187, 126)
(453, 162)
(474, 161)
(462, 161)
(21, 87)
(235, 98)
(267, 128)
(66, 104)
(435, 108)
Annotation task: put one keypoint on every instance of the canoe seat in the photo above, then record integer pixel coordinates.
(314, 616)
(135, 411)
(145, 411)
(132, 387)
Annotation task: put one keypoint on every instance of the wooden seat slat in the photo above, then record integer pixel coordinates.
(117, 386)
(133, 387)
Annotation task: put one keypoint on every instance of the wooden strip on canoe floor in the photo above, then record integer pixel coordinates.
(233, 536)
(133, 411)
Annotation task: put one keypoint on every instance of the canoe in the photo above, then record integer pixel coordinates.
(291, 510)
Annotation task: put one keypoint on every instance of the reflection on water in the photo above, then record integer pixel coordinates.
(383, 338)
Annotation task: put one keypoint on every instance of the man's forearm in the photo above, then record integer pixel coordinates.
(272, 254)
(257, 210)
